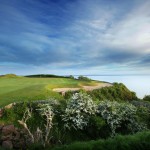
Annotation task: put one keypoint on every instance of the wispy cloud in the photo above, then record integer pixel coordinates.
(75, 35)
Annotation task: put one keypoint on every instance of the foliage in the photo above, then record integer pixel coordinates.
(146, 98)
(99, 122)
(139, 141)
(79, 108)
(71, 76)
(45, 76)
(8, 116)
(117, 92)
(141, 103)
(117, 114)
(13, 114)
(143, 114)
(82, 118)
(143, 111)
(84, 78)
(97, 128)
(41, 136)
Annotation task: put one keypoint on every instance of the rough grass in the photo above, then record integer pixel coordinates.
(23, 88)
(139, 141)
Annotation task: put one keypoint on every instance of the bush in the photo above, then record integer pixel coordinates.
(79, 108)
(143, 114)
(71, 76)
(146, 98)
(118, 114)
(141, 104)
(117, 92)
(97, 128)
(84, 78)
(86, 120)
(11, 115)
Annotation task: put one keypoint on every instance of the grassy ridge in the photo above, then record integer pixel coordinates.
(24, 88)
(46, 76)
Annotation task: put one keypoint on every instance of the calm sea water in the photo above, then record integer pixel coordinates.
(138, 84)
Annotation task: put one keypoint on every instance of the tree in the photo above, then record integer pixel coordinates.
(146, 98)
(84, 78)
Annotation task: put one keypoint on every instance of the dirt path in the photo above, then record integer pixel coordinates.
(86, 88)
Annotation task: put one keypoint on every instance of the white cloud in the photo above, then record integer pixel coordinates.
(132, 33)
(95, 35)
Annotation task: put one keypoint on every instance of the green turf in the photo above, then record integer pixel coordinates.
(23, 88)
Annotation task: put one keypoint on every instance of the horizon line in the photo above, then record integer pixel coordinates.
(84, 74)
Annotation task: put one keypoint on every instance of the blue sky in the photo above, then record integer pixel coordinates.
(75, 37)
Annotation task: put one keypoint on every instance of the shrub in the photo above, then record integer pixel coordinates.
(146, 98)
(97, 128)
(8, 116)
(79, 108)
(117, 92)
(117, 114)
(84, 78)
(11, 115)
(144, 115)
(71, 76)
(141, 104)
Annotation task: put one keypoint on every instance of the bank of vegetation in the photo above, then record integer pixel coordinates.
(107, 118)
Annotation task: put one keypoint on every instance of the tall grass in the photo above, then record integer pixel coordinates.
(139, 141)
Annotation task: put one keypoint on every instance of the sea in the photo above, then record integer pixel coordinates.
(140, 84)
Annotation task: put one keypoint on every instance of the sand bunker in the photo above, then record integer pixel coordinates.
(86, 88)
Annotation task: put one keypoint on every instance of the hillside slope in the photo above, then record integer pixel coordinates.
(24, 88)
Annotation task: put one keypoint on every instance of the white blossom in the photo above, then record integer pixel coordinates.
(78, 111)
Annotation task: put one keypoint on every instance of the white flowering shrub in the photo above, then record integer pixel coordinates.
(79, 109)
(117, 113)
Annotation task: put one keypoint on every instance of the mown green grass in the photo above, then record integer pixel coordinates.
(24, 89)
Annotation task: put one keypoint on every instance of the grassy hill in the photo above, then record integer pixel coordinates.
(83, 117)
(15, 88)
